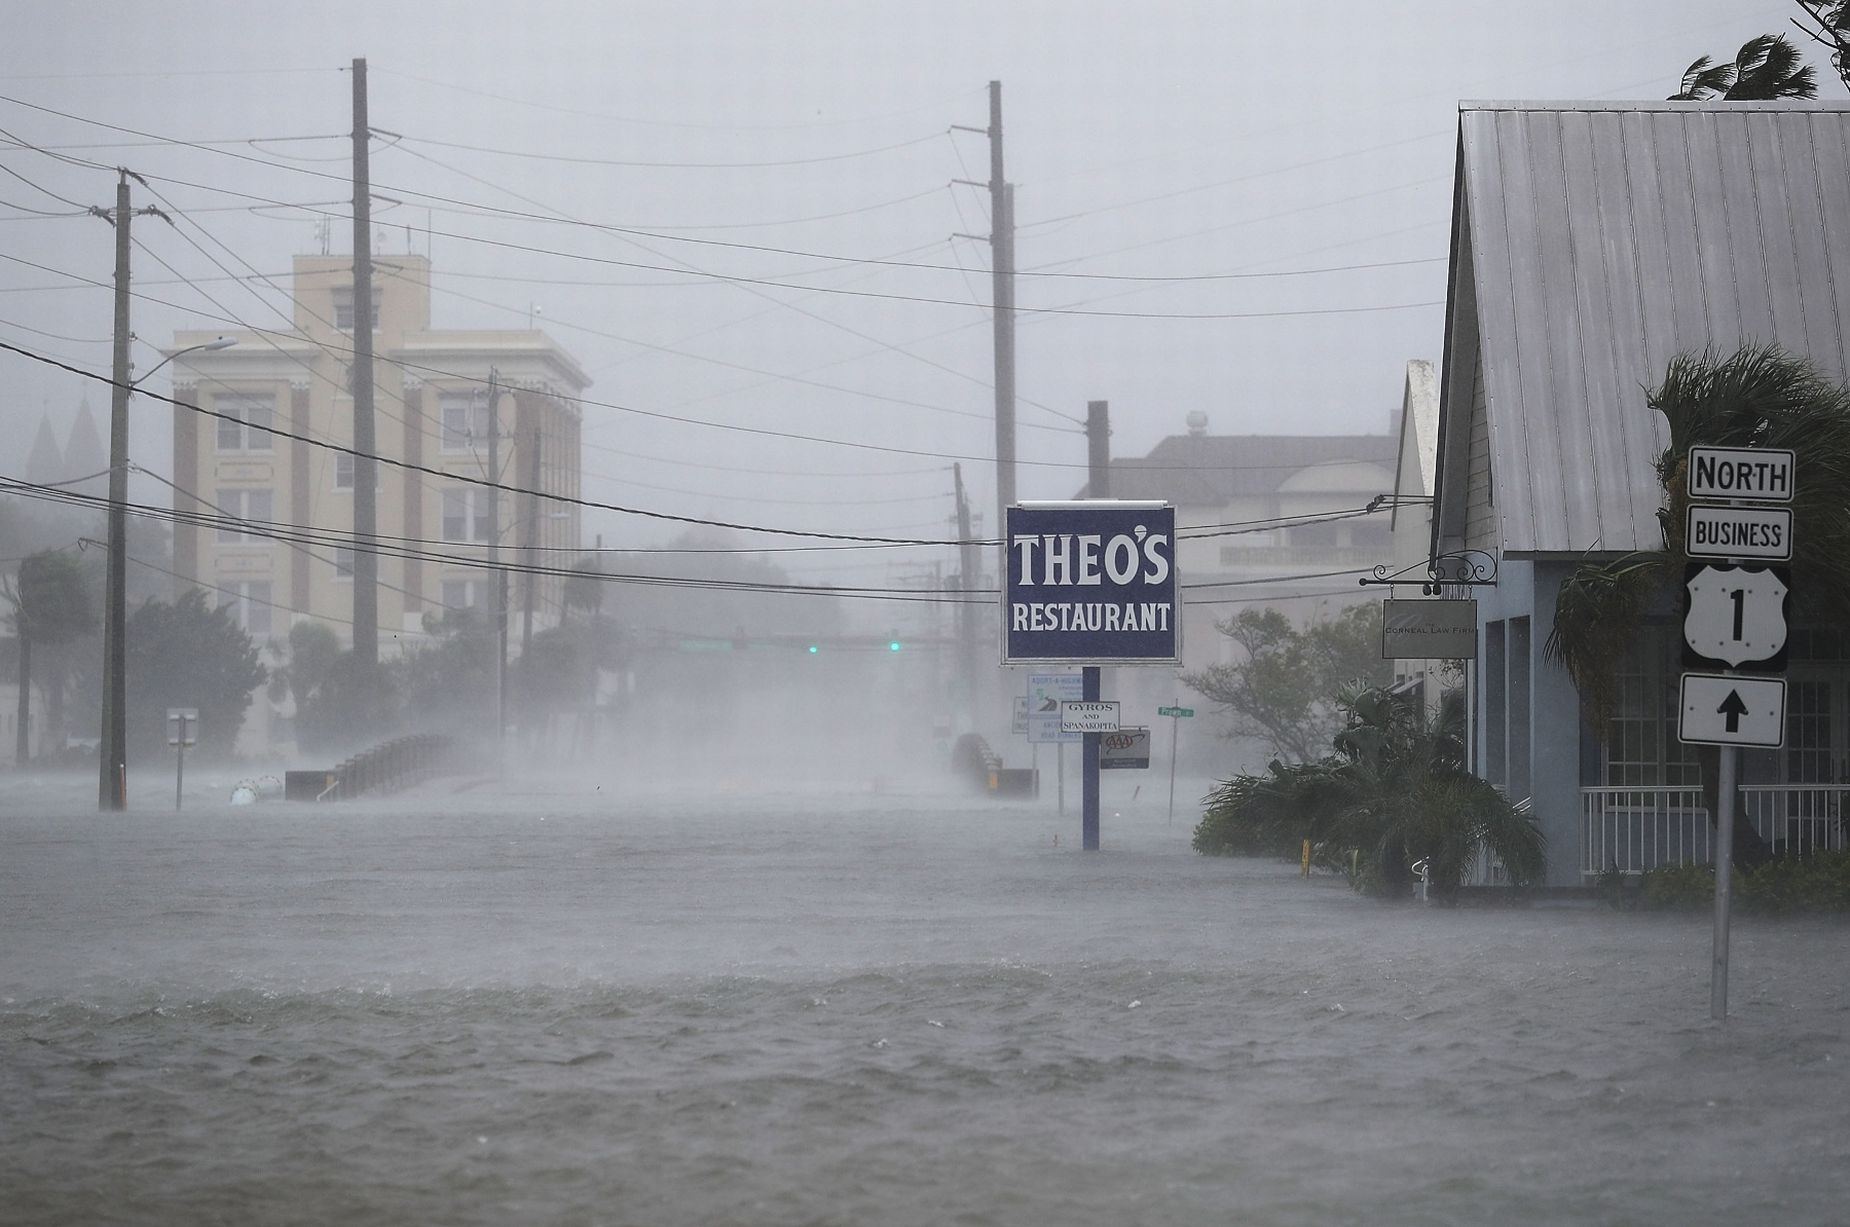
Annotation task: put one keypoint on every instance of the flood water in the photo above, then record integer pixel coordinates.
(558, 1004)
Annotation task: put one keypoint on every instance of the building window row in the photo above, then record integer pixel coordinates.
(248, 418)
(343, 308)
(463, 416)
(344, 466)
(240, 503)
(465, 514)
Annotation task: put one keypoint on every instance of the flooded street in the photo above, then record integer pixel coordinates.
(556, 1005)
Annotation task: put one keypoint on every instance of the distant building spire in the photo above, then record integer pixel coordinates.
(45, 463)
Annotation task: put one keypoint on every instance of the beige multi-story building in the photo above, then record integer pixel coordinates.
(431, 410)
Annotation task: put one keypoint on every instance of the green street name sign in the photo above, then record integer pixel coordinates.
(1175, 711)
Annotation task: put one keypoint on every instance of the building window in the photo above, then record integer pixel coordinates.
(1639, 743)
(465, 514)
(249, 603)
(343, 308)
(247, 421)
(464, 416)
(462, 593)
(257, 506)
(343, 562)
(344, 466)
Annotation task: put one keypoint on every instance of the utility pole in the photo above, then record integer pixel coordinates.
(1002, 292)
(112, 755)
(1002, 296)
(496, 575)
(365, 478)
(967, 566)
(532, 531)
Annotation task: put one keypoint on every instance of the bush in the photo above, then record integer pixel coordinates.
(1816, 883)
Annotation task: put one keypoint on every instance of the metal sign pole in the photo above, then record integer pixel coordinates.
(179, 768)
(1175, 734)
(1088, 818)
(1724, 884)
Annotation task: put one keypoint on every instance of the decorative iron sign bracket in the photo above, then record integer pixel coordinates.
(1461, 568)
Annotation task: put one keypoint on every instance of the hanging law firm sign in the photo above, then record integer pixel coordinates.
(1091, 582)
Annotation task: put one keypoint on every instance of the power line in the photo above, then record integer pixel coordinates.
(579, 160)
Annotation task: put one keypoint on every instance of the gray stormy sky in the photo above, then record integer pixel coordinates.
(1154, 139)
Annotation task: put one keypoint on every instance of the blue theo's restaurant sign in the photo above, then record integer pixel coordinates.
(1091, 582)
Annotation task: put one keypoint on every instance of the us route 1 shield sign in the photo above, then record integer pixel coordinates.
(1732, 711)
(1736, 616)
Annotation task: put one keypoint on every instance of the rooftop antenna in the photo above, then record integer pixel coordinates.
(323, 229)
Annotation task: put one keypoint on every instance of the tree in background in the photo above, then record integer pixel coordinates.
(1827, 22)
(188, 653)
(1286, 691)
(1765, 68)
(302, 671)
(448, 685)
(53, 604)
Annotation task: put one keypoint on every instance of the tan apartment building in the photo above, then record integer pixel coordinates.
(432, 410)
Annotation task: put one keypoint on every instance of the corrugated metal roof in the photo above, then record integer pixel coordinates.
(1604, 239)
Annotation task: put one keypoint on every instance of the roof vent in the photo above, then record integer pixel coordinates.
(1197, 423)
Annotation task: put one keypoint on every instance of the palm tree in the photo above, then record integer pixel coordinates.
(1756, 397)
(1827, 23)
(52, 604)
(1395, 791)
(1765, 68)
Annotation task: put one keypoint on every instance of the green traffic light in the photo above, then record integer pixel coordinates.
(812, 649)
(893, 646)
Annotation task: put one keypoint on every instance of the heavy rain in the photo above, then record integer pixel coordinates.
(1002, 613)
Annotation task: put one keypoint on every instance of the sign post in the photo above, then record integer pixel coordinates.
(1090, 583)
(1175, 715)
(1735, 617)
(182, 731)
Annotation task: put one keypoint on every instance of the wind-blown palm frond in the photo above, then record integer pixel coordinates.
(1598, 612)
(1768, 67)
(1704, 80)
(1765, 68)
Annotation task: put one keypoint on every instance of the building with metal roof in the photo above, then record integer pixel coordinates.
(1591, 243)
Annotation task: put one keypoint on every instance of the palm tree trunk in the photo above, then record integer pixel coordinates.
(22, 743)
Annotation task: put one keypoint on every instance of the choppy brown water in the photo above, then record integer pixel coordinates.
(556, 1007)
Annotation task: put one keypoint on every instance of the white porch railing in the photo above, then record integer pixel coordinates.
(1635, 829)
(1798, 818)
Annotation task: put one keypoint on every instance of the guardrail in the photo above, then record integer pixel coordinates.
(385, 768)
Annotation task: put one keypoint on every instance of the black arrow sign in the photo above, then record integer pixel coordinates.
(1733, 708)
